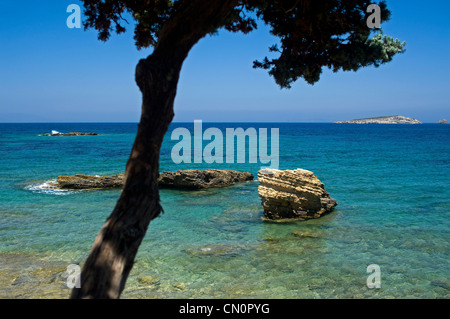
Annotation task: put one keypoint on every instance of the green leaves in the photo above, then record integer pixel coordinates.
(106, 17)
(317, 34)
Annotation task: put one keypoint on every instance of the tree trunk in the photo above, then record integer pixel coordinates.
(112, 255)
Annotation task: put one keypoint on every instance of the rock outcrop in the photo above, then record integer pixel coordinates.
(182, 179)
(396, 119)
(197, 179)
(293, 194)
(81, 181)
(443, 121)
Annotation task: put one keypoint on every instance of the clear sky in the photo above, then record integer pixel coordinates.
(50, 73)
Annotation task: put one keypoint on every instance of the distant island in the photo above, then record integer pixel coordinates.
(396, 119)
(443, 121)
(56, 133)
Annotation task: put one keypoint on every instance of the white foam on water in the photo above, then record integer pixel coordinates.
(48, 188)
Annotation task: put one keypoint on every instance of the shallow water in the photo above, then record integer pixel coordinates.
(391, 183)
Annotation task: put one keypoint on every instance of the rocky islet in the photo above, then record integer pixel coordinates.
(396, 119)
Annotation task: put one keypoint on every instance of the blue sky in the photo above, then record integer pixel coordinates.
(50, 73)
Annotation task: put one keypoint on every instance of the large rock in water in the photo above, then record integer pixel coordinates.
(293, 194)
(182, 179)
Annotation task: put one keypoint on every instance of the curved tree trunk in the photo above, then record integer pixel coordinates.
(112, 255)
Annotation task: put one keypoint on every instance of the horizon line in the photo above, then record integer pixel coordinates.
(191, 122)
(130, 122)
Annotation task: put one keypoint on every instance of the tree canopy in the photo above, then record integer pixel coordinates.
(312, 34)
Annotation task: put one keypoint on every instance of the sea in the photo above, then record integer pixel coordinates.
(388, 237)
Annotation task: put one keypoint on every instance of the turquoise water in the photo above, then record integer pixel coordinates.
(391, 183)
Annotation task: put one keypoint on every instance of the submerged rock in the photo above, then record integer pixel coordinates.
(305, 234)
(293, 195)
(148, 280)
(217, 250)
(179, 286)
(441, 282)
(182, 179)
